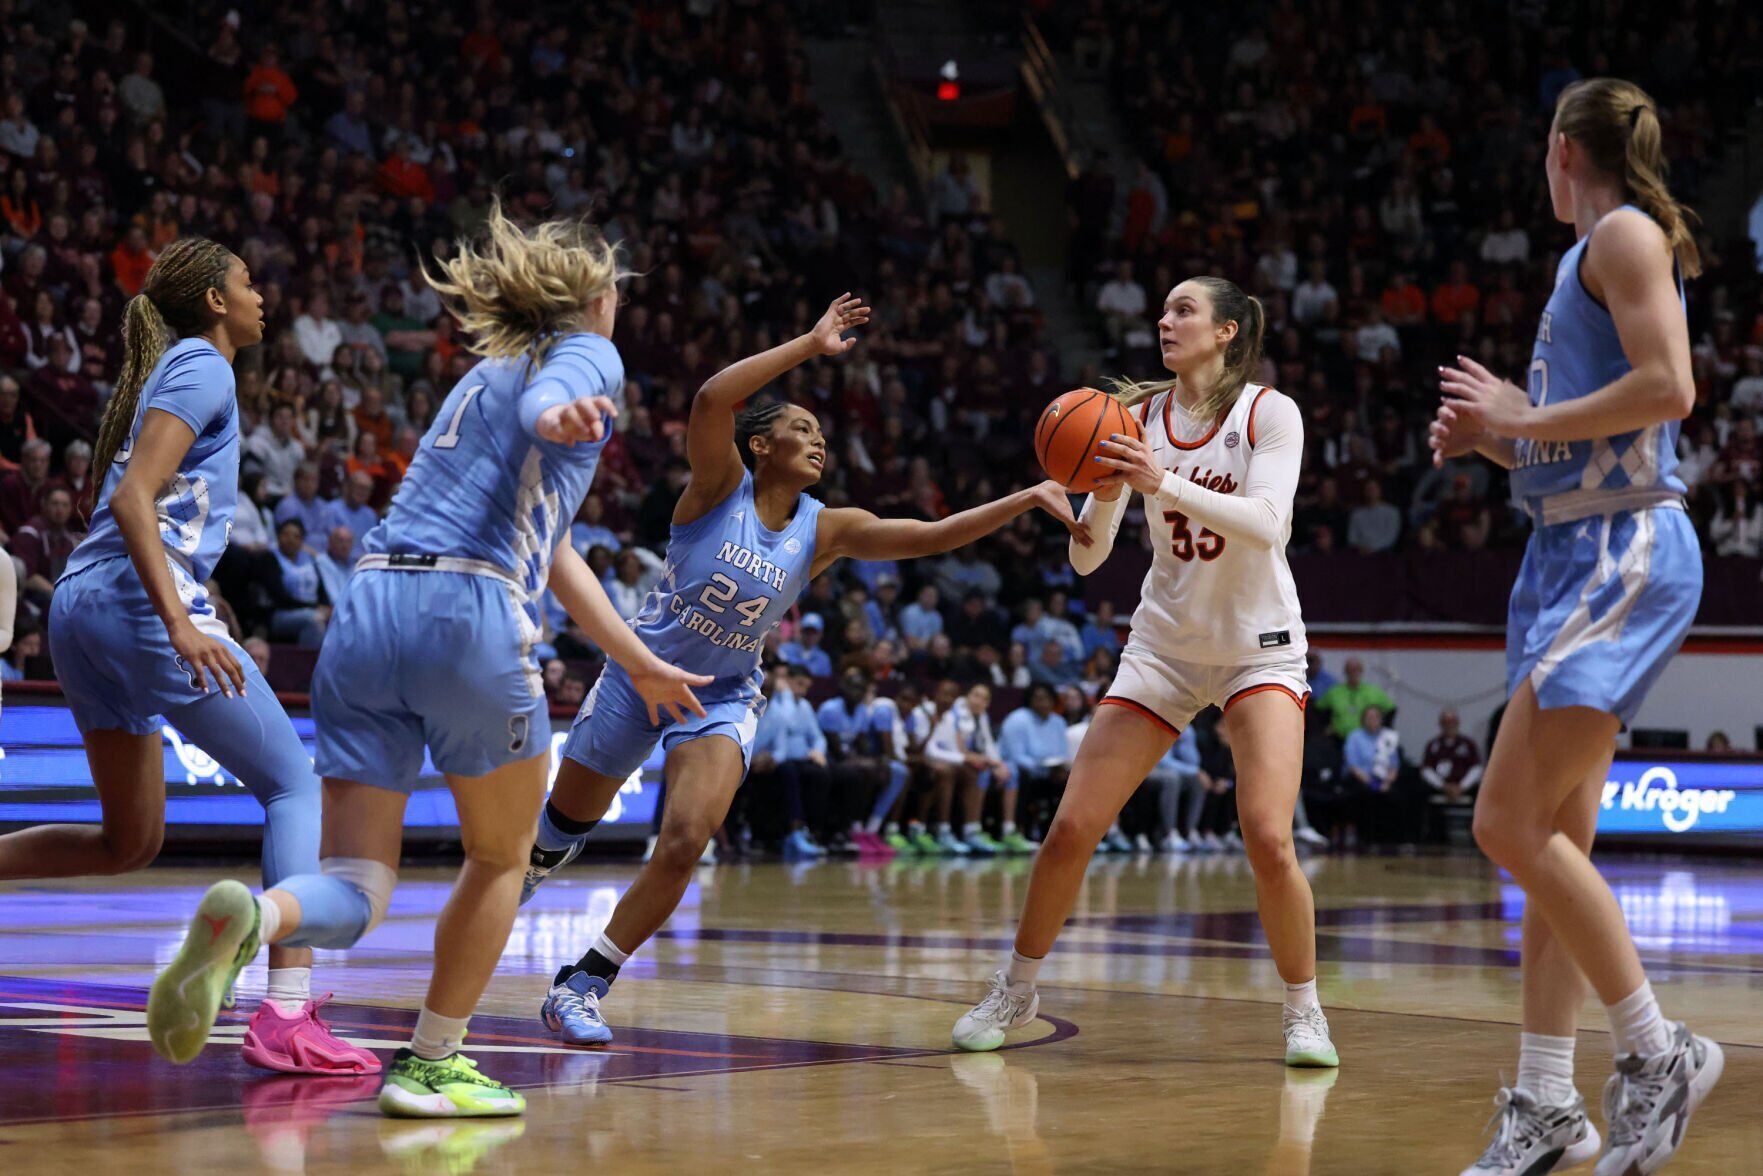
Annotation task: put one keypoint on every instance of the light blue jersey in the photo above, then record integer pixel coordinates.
(1578, 352)
(432, 644)
(1612, 574)
(482, 486)
(193, 382)
(113, 656)
(729, 580)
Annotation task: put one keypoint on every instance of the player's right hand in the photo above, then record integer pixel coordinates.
(202, 656)
(1451, 435)
(585, 419)
(667, 690)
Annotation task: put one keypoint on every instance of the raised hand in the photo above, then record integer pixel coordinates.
(845, 313)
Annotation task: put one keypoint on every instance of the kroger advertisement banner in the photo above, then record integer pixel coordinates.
(43, 777)
(1683, 800)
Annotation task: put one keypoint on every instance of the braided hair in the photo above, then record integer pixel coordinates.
(756, 420)
(172, 304)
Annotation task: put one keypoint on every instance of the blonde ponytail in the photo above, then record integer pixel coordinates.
(1645, 171)
(1617, 125)
(515, 290)
(1242, 355)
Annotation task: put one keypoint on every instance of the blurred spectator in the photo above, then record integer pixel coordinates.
(921, 620)
(1451, 765)
(1175, 782)
(1718, 744)
(626, 588)
(1374, 525)
(590, 529)
(352, 511)
(788, 746)
(336, 564)
(1345, 702)
(21, 489)
(45, 542)
(1737, 525)
(1053, 668)
(303, 503)
(292, 585)
(1374, 752)
(1032, 741)
(806, 649)
(259, 651)
(276, 450)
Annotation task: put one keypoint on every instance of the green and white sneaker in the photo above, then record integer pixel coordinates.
(1307, 1040)
(451, 1088)
(189, 993)
(897, 842)
(982, 844)
(925, 845)
(1015, 843)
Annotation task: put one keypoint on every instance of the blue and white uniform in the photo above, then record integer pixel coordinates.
(729, 580)
(113, 657)
(1613, 573)
(432, 644)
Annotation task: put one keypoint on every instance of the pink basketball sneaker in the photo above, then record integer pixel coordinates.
(302, 1043)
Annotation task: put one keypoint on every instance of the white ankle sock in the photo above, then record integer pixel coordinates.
(1022, 969)
(1637, 1024)
(971, 829)
(1545, 1067)
(1009, 828)
(611, 950)
(436, 1036)
(1302, 996)
(269, 919)
(289, 990)
(942, 828)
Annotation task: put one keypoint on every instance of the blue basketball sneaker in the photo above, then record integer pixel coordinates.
(572, 1010)
(543, 861)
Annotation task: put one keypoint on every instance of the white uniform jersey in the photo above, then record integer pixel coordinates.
(1210, 598)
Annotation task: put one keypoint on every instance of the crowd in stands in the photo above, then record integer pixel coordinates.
(1379, 185)
(1374, 173)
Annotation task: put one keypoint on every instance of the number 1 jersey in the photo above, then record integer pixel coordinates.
(482, 486)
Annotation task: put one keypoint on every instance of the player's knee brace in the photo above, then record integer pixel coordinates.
(341, 904)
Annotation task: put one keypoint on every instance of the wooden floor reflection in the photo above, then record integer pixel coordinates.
(795, 1019)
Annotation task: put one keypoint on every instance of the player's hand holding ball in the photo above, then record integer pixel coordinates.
(1070, 434)
(1130, 462)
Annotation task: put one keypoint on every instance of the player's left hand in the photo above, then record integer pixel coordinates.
(585, 419)
(845, 313)
(1051, 497)
(1132, 462)
(667, 690)
(1484, 401)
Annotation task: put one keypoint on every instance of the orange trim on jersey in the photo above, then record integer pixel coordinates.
(1242, 694)
(1169, 426)
(1145, 412)
(1255, 404)
(1140, 709)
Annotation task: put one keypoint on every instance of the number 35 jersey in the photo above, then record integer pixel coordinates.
(728, 581)
(1208, 599)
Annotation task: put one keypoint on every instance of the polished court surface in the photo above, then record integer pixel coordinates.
(796, 1018)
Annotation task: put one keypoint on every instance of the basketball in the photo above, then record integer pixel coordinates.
(1071, 431)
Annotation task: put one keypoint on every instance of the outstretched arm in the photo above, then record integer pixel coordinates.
(853, 532)
(710, 430)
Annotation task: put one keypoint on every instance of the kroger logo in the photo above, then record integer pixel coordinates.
(1657, 792)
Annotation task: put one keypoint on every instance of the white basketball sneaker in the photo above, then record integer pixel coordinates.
(1307, 1040)
(1006, 1007)
(1532, 1138)
(1649, 1100)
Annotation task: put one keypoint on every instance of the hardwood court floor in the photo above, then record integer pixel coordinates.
(795, 1019)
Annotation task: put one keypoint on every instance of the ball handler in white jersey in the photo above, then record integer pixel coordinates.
(1217, 624)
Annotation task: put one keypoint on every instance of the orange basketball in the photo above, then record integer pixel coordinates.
(1070, 434)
